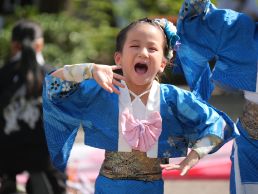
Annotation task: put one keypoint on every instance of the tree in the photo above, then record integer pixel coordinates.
(86, 29)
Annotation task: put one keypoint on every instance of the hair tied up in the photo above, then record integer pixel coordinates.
(170, 32)
(27, 42)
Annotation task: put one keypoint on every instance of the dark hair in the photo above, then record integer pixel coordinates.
(25, 33)
(25, 29)
(121, 37)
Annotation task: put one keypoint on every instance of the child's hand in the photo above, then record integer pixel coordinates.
(106, 78)
(190, 161)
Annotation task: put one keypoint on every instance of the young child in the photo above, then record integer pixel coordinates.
(145, 122)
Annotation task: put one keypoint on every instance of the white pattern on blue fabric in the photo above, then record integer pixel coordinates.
(171, 141)
(170, 110)
(59, 88)
(66, 87)
(191, 113)
(166, 154)
(55, 86)
(192, 8)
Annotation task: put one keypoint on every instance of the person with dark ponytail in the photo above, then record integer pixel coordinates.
(22, 139)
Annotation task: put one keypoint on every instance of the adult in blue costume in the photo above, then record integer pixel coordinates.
(231, 39)
(146, 122)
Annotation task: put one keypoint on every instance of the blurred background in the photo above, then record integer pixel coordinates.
(80, 30)
(77, 31)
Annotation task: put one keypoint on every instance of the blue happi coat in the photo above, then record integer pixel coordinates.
(67, 106)
(230, 39)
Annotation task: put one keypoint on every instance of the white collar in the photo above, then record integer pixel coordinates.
(125, 98)
(153, 104)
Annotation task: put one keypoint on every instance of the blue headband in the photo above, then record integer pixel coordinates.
(170, 32)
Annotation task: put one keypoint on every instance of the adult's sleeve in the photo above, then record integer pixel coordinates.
(225, 36)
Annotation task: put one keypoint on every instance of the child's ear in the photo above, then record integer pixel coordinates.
(163, 64)
(117, 58)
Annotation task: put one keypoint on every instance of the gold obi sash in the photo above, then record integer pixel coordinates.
(131, 165)
(249, 119)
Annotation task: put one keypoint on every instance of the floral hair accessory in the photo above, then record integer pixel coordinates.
(170, 31)
(191, 9)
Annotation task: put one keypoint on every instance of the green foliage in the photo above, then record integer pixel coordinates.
(74, 40)
(4, 46)
(67, 39)
(87, 30)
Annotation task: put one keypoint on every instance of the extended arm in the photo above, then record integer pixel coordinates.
(103, 74)
(200, 149)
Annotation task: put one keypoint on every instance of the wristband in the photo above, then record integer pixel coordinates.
(78, 72)
(205, 145)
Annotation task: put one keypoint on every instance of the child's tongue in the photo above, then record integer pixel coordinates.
(141, 68)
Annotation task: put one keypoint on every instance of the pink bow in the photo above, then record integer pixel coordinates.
(141, 134)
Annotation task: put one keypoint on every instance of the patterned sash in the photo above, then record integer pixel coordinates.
(131, 165)
(249, 119)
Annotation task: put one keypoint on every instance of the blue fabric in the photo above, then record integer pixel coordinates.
(248, 157)
(247, 153)
(60, 151)
(172, 37)
(185, 118)
(247, 149)
(256, 37)
(197, 74)
(105, 185)
(62, 118)
(208, 33)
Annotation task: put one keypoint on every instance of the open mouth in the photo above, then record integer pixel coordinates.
(141, 68)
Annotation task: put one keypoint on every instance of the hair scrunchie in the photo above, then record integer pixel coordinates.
(191, 9)
(170, 32)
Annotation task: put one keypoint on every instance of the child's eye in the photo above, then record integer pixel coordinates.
(134, 46)
(153, 49)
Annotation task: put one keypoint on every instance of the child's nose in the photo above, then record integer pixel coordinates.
(143, 52)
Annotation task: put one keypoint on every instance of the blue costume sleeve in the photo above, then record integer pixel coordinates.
(208, 33)
(197, 75)
(256, 38)
(198, 118)
(61, 118)
(69, 105)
